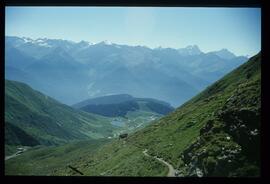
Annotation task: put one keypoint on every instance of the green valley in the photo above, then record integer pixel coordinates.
(127, 112)
(38, 119)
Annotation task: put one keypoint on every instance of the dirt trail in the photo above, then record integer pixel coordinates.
(171, 172)
(15, 154)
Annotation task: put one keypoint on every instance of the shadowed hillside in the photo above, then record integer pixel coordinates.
(33, 115)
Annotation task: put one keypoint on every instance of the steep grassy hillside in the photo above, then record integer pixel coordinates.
(16, 136)
(46, 120)
(55, 160)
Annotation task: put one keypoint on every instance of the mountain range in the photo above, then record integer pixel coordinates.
(73, 71)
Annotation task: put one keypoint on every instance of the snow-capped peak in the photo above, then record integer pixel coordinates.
(39, 40)
(190, 50)
(43, 42)
(84, 44)
(26, 40)
(192, 47)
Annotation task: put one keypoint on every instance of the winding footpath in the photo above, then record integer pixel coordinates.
(15, 154)
(171, 172)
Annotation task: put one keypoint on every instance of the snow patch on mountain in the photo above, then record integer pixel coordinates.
(26, 40)
(44, 44)
(190, 50)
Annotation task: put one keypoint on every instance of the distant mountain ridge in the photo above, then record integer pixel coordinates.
(72, 71)
(190, 50)
(224, 53)
(68, 44)
(121, 104)
(109, 99)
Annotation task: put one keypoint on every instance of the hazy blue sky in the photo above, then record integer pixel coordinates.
(237, 29)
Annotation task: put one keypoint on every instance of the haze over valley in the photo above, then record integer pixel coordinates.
(71, 72)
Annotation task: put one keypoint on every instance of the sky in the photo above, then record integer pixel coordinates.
(237, 29)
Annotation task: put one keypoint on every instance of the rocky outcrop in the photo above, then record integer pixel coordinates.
(229, 142)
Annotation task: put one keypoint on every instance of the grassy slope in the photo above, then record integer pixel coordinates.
(41, 160)
(16, 136)
(229, 143)
(47, 120)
